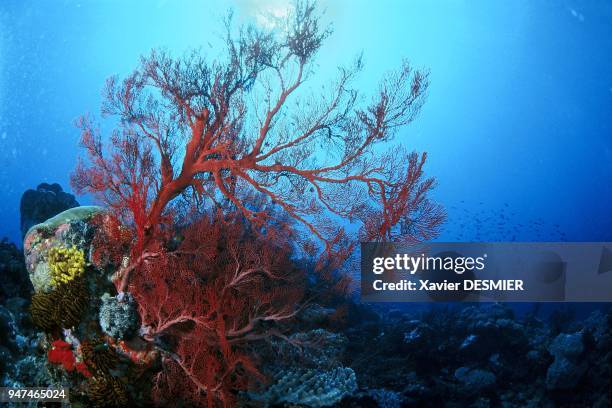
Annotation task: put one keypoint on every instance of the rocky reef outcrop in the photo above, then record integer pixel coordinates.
(46, 201)
(23, 360)
(481, 356)
(85, 328)
(14, 280)
(567, 368)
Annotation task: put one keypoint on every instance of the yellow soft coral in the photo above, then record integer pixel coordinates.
(65, 264)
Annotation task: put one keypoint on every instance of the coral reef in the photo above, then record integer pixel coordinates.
(58, 257)
(313, 349)
(43, 310)
(385, 398)
(61, 353)
(65, 264)
(61, 308)
(70, 228)
(480, 355)
(309, 387)
(381, 357)
(195, 285)
(214, 274)
(110, 245)
(14, 281)
(22, 362)
(108, 391)
(119, 320)
(567, 368)
(475, 380)
(43, 203)
(101, 359)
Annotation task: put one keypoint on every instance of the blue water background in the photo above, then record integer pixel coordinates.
(518, 123)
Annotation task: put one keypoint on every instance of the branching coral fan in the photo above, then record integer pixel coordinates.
(217, 297)
(252, 185)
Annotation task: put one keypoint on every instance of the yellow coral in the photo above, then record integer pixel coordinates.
(65, 264)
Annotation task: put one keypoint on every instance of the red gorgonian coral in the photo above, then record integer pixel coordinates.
(111, 241)
(213, 298)
(238, 145)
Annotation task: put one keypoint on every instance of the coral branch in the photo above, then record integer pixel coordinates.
(240, 158)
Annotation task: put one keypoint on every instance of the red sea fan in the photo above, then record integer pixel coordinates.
(188, 130)
(239, 138)
(204, 305)
(111, 242)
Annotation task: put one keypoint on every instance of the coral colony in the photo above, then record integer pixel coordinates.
(223, 189)
(214, 270)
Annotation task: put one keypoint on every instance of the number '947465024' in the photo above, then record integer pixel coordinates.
(34, 394)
